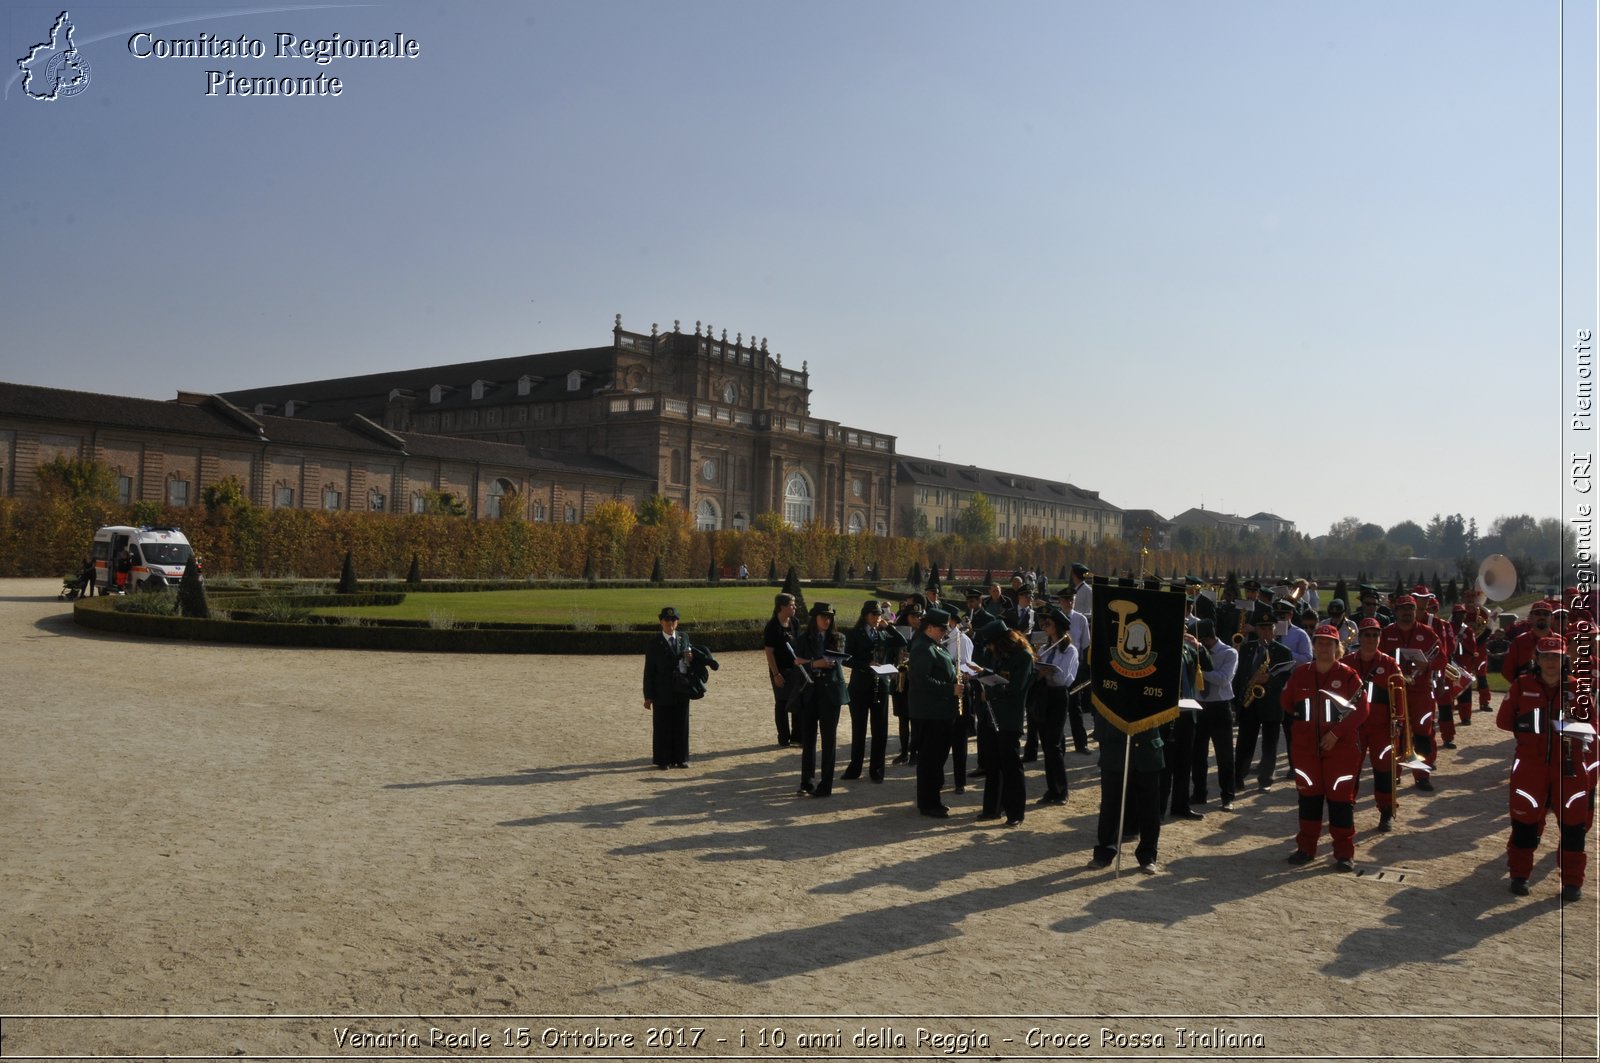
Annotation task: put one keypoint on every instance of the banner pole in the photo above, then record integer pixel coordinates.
(1122, 811)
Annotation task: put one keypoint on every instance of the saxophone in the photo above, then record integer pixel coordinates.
(1258, 682)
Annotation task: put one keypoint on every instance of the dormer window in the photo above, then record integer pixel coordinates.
(575, 379)
(526, 383)
(479, 387)
(436, 393)
(291, 406)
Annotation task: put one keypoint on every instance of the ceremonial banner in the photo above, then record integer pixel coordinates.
(1137, 656)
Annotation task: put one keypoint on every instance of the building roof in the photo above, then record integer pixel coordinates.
(339, 397)
(213, 417)
(932, 472)
(1135, 519)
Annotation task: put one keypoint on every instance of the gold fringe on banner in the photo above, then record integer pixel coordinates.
(1139, 726)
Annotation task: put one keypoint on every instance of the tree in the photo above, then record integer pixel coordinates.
(609, 527)
(772, 571)
(588, 569)
(192, 593)
(444, 504)
(975, 522)
(657, 574)
(226, 493)
(347, 575)
(914, 577)
(1408, 535)
(414, 573)
(791, 585)
(75, 480)
(838, 570)
(769, 522)
(653, 509)
(913, 522)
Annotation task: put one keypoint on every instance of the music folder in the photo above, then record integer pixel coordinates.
(1189, 705)
(885, 669)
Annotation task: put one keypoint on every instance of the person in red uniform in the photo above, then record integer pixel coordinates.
(1520, 657)
(1480, 623)
(1464, 653)
(1374, 667)
(1327, 747)
(1553, 771)
(1428, 613)
(1416, 648)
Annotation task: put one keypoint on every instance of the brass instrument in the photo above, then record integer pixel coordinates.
(1238, 639)
(1257, 688)
(1402, 749)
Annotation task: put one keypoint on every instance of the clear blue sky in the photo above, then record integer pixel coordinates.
(1269, 256)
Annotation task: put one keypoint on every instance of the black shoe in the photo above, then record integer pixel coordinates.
(960, 789)
(936, 813)
(1385, 822)
(821, 793)
(1015, 821)
(1152, 868)
(1188, 813)
(805, 788)
(1029, 759)
(1085, 752)
(988, 815)
(1226, 806)
(901, 759)
(1264, 788)
(662, 767)
(1099, 864)
(877, 776)
(980, 773)
(1425, 783)
(1050, 799)
(1519, 886)
(1571, 893)
(851, 773)
(1300, 857)
(681, 764)
(912, 759)
(1197, 799)
(1449, 745)
(1344, 865)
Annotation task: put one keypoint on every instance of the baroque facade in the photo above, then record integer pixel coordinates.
(720, 426)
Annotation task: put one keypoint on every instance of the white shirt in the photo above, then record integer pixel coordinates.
(1083, 599)
(1219, 680)
(1065, 660)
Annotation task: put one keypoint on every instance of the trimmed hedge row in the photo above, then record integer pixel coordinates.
(99, 614)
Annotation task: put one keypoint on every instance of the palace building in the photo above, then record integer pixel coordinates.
(719, 426)
(937, 491)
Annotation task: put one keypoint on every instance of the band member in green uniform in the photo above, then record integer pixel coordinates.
(932, 687)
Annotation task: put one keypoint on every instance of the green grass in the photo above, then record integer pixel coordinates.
(589, 607)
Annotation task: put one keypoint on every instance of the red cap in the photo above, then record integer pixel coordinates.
(1540, 606)
(1372, 623)
(1404, 599)
(1552, 644)
(1458, 609)
(1421, 591)
(1326, 631)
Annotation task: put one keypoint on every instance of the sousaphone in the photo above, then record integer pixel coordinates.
(1497, 578)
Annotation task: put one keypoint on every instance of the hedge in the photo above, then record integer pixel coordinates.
(101, 615)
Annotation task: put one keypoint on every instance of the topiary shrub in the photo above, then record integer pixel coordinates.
(347, 575)
(414, 573)
(192, 593)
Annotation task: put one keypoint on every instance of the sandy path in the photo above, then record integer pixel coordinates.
(200, 830)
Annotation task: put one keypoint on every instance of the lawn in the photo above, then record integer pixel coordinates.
(588, 607)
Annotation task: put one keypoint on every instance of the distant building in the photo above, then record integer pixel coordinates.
(1264, 523)
(169, 452)
(1134, 521)
(939, 490)
(717, 425)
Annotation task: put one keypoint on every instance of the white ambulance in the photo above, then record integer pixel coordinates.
(145, 559)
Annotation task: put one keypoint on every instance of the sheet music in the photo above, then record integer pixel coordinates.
(885, 669)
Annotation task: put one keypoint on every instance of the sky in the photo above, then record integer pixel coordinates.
(1321, 260)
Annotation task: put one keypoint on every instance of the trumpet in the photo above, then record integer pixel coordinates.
(1402, 748)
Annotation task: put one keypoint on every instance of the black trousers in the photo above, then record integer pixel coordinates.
(1214, 735)
(782, 719)
(1143, 813)
(669, 733)
(932, 741)
(1004, 788)
(1180, 756)
(819, 718)
(1252, 724)
(1080, 706)
(869, 707)
(1053, 735)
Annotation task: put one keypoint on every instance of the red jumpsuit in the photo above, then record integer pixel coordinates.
(1522, 651)
(1377, 735)
(1325, 774)
(1419, 692)
(1549, 775)
(1462, 649)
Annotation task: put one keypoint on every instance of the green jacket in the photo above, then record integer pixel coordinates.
(930, 680)
(1010, 702)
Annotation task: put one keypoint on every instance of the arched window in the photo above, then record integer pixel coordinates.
(857, 524)
(497, 493)
(797, 495)
(707, 517)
